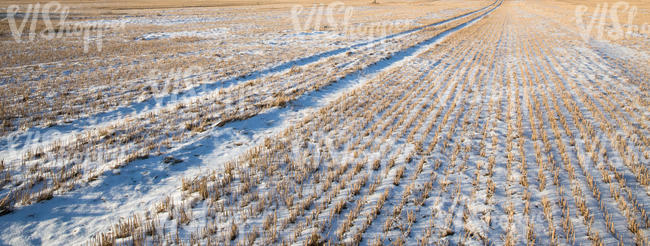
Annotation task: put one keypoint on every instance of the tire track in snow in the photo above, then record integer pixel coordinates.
(99, 168)
(22, 140)
(144, 182)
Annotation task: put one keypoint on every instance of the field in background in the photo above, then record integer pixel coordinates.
(302, 122)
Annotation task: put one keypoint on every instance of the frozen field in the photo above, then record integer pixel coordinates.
(479, 122)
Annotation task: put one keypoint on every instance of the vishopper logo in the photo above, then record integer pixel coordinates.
(176, 84)
(31, 140)
(32, 14)
(602, 15)
(313, 20)
(335, 18)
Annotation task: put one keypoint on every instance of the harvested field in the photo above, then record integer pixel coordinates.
(281, 122)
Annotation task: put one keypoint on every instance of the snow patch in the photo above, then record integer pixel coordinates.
(216, 32)
(618, 51)
(161, 21)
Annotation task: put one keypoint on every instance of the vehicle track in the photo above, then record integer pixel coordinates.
(152, 123)
(21, 139)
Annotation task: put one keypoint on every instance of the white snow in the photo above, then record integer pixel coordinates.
(212, 33)
(159, 21)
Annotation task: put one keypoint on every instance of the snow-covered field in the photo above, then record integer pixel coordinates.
(415, 123)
